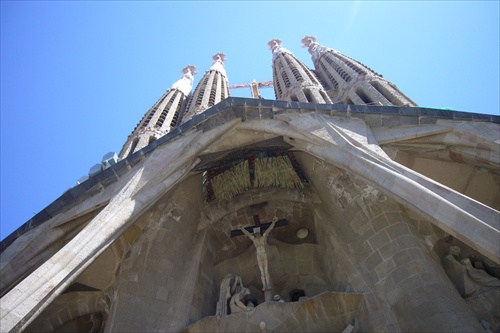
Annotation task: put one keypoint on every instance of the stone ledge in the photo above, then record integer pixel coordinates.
(326, 312)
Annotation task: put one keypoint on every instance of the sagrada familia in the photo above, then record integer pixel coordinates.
(340, 206)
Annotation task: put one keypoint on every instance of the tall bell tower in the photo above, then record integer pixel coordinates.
(163, 116)
(293, 81)
(350, 82)
(212, 88)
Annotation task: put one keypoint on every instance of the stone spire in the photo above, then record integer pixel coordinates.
(293, 81)
(163, 116)
(212, 88)
(350, 82)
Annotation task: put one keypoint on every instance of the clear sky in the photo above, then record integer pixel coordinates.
(76, 77)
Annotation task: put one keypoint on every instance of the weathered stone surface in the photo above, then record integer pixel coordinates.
(143, 241)
(327, 312)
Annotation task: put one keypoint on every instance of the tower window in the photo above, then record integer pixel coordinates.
(284, 75)
(325, 97)
(309, 96)
(213, 91)
(173, 123)
(165, 111)
(331, 80)
(364, 97)
(309, 74)
(385, 92)
(337, 68)
(291, 64)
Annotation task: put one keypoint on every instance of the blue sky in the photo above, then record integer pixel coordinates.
(76, 77)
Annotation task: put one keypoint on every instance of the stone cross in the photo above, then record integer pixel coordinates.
(258, 227)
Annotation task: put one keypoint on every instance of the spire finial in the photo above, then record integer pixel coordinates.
(276, 47)
(307, 41)
(219, 57)
(185, 83)
(218, 64)
(274, 44)
(190, 69)
(313, 47)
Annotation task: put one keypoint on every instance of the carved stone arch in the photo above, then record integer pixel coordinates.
(213, 212)
(41, 246)
(75, 312)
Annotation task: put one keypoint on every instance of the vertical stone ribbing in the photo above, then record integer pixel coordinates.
(376, 250)
(212, 88)
(350, 82)
(162, 117)
(293, 81)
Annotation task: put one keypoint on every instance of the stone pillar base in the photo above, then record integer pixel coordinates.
(268, 295)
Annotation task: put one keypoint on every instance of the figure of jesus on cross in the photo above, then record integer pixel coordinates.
(260, 247)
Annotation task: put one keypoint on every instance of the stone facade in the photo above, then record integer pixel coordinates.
(382, 219)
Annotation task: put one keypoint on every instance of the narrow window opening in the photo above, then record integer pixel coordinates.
(364, 97)
(385, 92)
(165, 111)
(309, 73)
(325, 97)
(213, 91)
(294, 98)
(285, 78)
(173, 123)
(309, 96)
(331, 82)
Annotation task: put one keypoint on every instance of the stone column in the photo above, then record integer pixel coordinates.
(376, 250)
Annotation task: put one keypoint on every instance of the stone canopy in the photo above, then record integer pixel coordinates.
(384, 192)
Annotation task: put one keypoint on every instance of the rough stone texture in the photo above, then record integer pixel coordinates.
(351, 82)
(163, 268)
(139, 242)
(378, 248)
(327, 312)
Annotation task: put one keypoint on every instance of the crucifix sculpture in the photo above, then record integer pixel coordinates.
(259, 239)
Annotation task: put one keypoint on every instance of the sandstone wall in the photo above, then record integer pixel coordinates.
(372, 246)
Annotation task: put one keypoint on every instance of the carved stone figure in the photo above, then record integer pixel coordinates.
(458, 274)
(467, 279)
(260, 242)
(237, 303)
(230, 285)
(480, 276)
